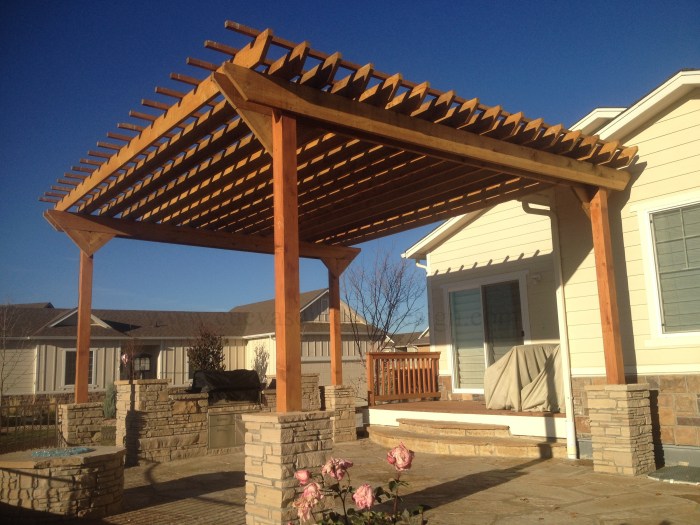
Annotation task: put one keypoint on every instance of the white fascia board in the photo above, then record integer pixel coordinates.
(596, 119)
(662, 97)
(443, 232)
(312, 301)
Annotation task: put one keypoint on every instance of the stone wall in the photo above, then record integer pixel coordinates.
(156, 426)
(620, 421)
(310, 395)
(674, 405)
(81, 424)
(340, 400)
(276, 446)
(88, 485)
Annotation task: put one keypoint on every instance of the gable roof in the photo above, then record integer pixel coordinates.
(624, 122)
(254, 319)
(443, 232)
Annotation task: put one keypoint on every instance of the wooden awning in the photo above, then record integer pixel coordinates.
(377, 154)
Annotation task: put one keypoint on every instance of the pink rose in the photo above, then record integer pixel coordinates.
(363, 497)
(303, 476)
(400, 457)
(336, 468)
(304, 508)
(312, 493)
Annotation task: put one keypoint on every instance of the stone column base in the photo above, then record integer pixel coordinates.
(621, 429)
(340, 400)
(277, 445)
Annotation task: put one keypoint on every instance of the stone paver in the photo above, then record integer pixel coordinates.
(462, 491)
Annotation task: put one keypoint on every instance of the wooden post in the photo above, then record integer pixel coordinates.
(82, 354)
(287, 302)
(607, 289)
(336, 344)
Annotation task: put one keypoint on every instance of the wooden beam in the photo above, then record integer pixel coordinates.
(259, 123)
(144, 231)
(607, 289)
(335, 270)
(287, 302)
(82, 354)
(179, 112)
(387, 127)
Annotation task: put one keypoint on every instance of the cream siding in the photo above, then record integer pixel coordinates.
(668, 166)
(18, 370)
(503, 242)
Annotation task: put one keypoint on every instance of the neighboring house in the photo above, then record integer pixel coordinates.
(40, 348)
(524, 272)
(409, 342)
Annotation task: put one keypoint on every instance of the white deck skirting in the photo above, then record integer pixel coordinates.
(534, 426)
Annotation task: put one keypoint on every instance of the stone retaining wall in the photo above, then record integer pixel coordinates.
(88, 485)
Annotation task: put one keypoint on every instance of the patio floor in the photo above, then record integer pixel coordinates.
(462, 491)
(458, 407)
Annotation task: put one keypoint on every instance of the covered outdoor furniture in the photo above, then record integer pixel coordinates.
(228, 385)
(528, 377)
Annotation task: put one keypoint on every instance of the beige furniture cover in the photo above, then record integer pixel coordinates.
(528, 377)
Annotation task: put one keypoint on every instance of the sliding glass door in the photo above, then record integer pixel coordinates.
(486, 322)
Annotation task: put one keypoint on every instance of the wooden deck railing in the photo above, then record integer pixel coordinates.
(393, 376)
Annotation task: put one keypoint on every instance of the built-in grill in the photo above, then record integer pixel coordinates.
(228, 386)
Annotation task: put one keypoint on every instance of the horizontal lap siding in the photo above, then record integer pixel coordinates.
(503, 240)
(669, 153)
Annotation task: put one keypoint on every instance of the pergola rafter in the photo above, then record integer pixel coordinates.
(368, 154)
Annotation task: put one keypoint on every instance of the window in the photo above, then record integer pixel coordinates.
(69, 368)
(676, 241)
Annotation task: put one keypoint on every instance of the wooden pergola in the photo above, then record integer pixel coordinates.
(286, 150)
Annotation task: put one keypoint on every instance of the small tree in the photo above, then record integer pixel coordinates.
(384, 299)
(207, 351)
(261, 362)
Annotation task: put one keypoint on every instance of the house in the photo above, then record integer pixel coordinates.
(409, 342)
(38, 354)
(524, 272)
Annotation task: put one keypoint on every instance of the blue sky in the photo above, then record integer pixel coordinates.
(73, 69)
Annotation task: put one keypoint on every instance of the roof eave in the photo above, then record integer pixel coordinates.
(440, 234)
(666, 94)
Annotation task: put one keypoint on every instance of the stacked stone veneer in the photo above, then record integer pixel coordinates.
(88, 485)
(156, 426)
(620, 421)
(276, 446)
(340, 400)
(81, 423)
(675, 407)
(310, 395)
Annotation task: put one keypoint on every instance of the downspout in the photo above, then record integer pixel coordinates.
(571, 448)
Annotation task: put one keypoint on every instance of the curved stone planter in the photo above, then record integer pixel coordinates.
(84, 485)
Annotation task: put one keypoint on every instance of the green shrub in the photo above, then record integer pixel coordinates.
(109, 406)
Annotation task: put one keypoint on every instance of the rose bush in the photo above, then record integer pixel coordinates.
(333, 472)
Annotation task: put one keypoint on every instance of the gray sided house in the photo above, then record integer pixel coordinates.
(39, 344)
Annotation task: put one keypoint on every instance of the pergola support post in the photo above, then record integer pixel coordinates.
(82, 355)
(607, 289)
(286, 236)
(336, 267)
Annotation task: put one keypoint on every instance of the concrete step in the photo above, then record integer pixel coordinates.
(513, 447)
(454, 429)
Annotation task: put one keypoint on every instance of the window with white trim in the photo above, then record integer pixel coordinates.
(69, 357)
(676, 242)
